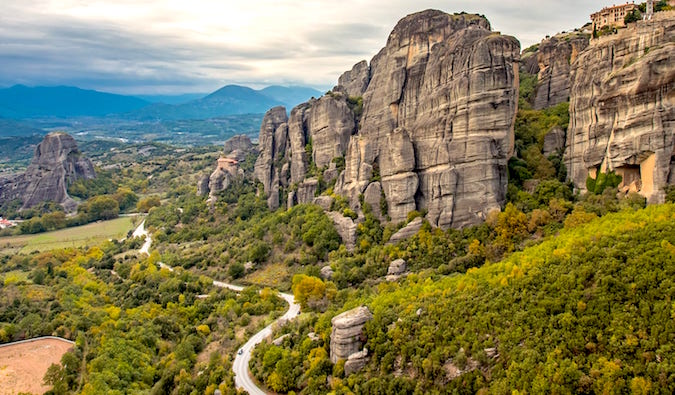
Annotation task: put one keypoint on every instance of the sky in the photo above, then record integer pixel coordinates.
(181, 46)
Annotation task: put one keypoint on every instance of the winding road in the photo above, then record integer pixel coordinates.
(242, 376)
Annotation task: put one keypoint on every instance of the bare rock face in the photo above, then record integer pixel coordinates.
(307, 190)
(240, 142)
(554, 141)
(554, 57)
(330, 125)
(57, 163)
(355, 81)
(397, 267)
(203, 185)
(347, 337)
(324, 125)
(356, 362)
(622, 108)
(324, 202)
(407, 231)
(273, 144)
(327, 272)
(435, 131)
(529, 62)
(346, 228)
(219, 181)
(437, 120)
(372, 196)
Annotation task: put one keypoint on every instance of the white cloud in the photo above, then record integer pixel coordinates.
(164, 46)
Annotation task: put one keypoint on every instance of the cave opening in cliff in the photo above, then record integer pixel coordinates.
(638, 174)
(631, 180)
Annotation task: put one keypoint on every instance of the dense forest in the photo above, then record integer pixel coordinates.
(136, 328)
(588, 311)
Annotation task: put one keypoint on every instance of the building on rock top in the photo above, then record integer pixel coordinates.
(612, 16)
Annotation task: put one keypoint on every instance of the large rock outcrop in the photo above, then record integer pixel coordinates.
(240, 142)
(437, 121)
(554, 58)
(273, 144)
(56, 164)
(434, 132)
(622, 108)
(316, 133)
(347, 337)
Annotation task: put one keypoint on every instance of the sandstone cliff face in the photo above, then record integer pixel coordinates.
(355, 81)
(554, 57)
(437, 120)
(346, 337)
(273, 144)
(622, 108)
(325, 125)
(435, 131)
(57, 163)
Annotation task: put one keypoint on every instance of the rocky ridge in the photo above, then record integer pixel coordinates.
(56, 164)
(434, 132)
(554, 57)
(622, 108)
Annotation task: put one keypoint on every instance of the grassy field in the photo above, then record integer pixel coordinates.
(79, 236)
(270, 276)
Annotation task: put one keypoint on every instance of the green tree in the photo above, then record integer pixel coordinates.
(632, 17)
(144, 205)
(125, 198)
(100, 208)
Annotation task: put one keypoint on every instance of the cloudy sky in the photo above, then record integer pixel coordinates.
(181, 46)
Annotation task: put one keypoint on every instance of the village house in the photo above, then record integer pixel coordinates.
(612, 16)
(6, 223)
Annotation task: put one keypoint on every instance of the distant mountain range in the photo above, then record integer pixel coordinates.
(22, 102)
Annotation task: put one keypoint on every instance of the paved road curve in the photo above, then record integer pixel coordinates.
(242, 378)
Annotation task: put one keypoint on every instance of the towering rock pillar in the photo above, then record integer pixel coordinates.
(56, 164)
(438, 116)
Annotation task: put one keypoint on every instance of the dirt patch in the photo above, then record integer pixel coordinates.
(23, 365)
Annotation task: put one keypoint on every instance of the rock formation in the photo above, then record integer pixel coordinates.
(355, 81)
(347, 337)
(56, 164)
(291, 148)
(346, 228)
(554, 57)
(227, 167)
(435, 134)
(622, 108)
(327, 272)
(356, 362)
(273, 144)
(240, 142)
(397, 267)
(554, 142)
(407, 231)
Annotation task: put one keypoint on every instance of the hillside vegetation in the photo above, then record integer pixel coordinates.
(137, 329)
(589, 311)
